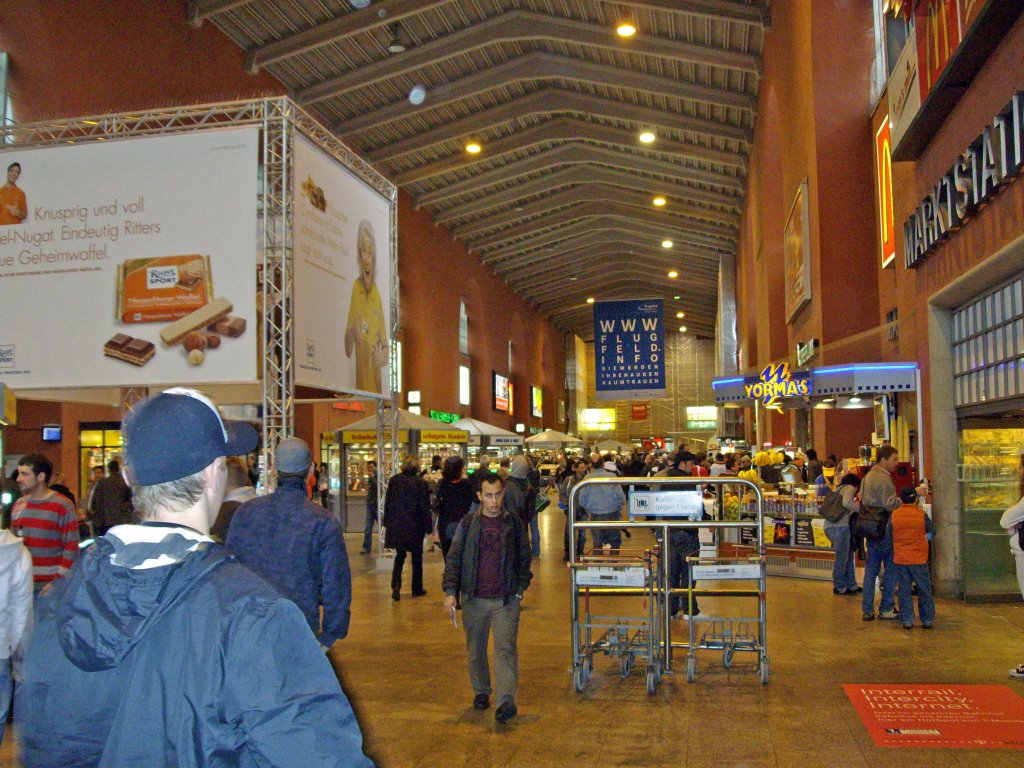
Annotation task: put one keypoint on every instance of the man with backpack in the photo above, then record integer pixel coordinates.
(878, 498)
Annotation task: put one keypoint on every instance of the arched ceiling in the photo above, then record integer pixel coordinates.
(559, 200)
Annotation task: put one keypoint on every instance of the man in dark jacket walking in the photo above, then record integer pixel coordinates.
(489, 565)
(197, 661)
(406, 522)
(521, 498)
(296, 545)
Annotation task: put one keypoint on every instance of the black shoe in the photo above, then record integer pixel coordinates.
(855, 591)
(396, 595)
(481, 701)
(839, 591)
(869, 617)
(421, 593)
(505, 712)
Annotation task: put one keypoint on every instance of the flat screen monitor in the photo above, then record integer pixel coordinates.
(501, 392)
(52, 433)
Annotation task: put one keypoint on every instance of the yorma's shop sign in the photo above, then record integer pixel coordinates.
(976, 176)
(775, 382)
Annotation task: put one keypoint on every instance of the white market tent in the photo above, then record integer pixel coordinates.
(482, 429)
(406, 420)
(613, 445)
(551, 437)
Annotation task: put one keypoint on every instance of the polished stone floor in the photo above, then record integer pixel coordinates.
(403, 666)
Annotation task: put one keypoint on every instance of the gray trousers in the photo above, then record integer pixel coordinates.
(481, 617)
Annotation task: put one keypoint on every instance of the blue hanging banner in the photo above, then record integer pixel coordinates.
(629, 349)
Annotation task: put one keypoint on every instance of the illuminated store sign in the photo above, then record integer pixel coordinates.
(445, 416)
(598, 419)
(701, 417)
(992, 160)
(938, 33)
(776, 382)
(883, 191)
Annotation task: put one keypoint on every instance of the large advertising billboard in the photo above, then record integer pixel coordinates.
(130, 262)
(342, 278)
(629, 349)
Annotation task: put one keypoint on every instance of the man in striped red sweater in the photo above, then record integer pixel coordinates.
(45, 520)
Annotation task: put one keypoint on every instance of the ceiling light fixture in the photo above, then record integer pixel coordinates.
(659, 201)
(676, 298)
(680, 315)
(473, 148)
(626, 29)
(590, 300)
(673, 274)
(396, 45)
(682, 329)
(647, 137)
(667, 243)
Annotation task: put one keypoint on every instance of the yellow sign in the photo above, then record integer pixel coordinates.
(444, 436)
(776, 381)
(598, 419)
(8, 406)
(370, 436)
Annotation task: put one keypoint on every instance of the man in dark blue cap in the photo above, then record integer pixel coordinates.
(296, 545)
(165, 648)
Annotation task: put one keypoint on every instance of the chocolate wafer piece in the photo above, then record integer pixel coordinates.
(188, 280)
(230, 326)
(129, 349)
(194, 321)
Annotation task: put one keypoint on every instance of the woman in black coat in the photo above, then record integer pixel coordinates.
(454, 496)
(406, 522)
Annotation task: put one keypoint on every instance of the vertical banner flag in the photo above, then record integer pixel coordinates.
(629, 349)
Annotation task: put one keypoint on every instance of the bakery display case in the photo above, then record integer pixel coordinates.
(990, 461)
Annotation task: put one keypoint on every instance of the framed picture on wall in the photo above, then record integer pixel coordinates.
(797, 254)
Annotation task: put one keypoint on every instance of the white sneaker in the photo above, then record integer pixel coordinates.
(1017, 671)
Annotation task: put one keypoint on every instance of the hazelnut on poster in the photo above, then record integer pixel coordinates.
(195, 357)
(213, 340)
(195, 340)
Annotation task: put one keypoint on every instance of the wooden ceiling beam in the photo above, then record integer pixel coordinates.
(553, 100)
(599, 208)
(579, 152)
(518, 25)
(539, 65)
(567, 129)
(584, 173)
(379, 14)
(588, 193)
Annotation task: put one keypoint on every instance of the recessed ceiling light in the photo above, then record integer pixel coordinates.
(667, 243)
(417, 94)
(680, 315)
(626, 29)
(573, 279)
(682, 329)
(590, 300)
(673, 274)
(473, 148)
(659, 201)
(647, 137)
(676, 298)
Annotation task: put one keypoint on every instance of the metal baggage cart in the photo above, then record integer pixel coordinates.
(627, 638)
(727, 634)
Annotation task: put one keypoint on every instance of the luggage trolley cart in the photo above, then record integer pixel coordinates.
(729, 634)
(627, 638)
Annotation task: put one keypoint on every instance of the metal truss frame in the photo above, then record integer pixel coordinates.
(279, 119)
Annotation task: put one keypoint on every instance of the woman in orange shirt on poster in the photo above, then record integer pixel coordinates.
(13, 206)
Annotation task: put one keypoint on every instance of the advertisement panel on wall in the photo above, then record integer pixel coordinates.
(904, 92)
(629, 344)
(130, 262)
(536, 402)
(937, 29)
(342, 290)
(501, 392)
(797, 254)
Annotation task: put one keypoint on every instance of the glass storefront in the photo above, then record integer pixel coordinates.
(98, 444)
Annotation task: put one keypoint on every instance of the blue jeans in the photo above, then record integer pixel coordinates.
(925, 603)
(844, 576)
(604, 536)
(879, 559)
(371, 518)
(535, 536)
(6, 686)
(681, 544)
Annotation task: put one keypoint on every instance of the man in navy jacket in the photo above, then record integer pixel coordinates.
(296, 545)
(159, 648)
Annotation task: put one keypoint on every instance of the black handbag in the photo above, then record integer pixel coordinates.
(832, 507)
(871, 522)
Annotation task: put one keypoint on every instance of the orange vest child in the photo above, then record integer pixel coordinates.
(911, 532)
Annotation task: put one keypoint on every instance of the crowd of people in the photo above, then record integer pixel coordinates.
(222, 645)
